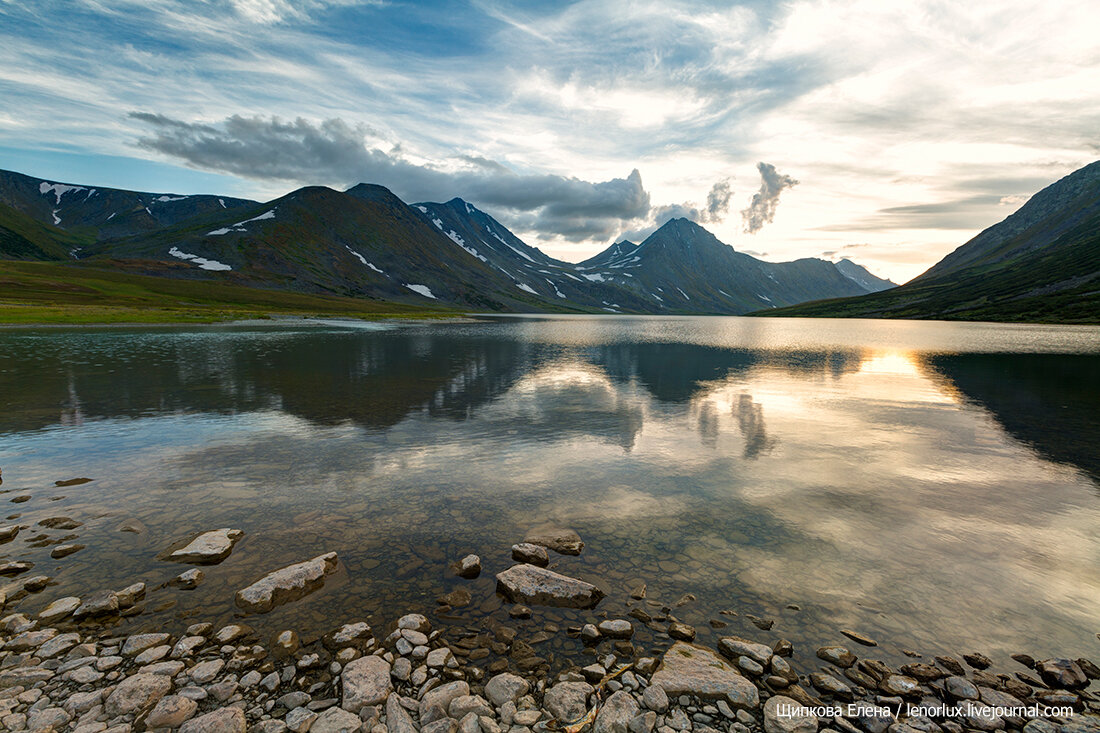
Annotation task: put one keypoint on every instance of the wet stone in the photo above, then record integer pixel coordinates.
(286, 584)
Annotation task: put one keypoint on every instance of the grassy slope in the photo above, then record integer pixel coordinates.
(1059, 284)
(40, 292)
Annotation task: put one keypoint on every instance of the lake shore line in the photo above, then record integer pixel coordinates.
(65, 667)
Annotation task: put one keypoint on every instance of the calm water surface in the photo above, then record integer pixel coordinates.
(933, 485)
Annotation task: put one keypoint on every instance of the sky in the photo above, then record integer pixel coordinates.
(886, 132)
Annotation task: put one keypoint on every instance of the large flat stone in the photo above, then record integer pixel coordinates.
(207, 548)
(535, 585)
(365, 681)
(286, 584)
(688, 669)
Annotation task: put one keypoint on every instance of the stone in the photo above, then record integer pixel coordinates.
(188, 580)
(104, 603)
(687, 669)
(60, 523)
(205, 672)
(900, 685)
(506, 687)
(336, 720)
(365, 681)
(398, 719)
(136, 693)
(837, 655)
(207, 548)
(534, 585)
(65, 550)
(567, 701)
(24, 676)
(681, 631)
(299, 720)
(616, 628)
(415, 622)
(468, 567)
(442, 696)
(733, 647)
(458, 598)
(130, 595)
(531, 554)
(441, 657)
(960, 688)
(30, 640)
(60, 609)
(462, 706)
(223, 720)
(1062, 673)
(138, 643)
(47, 719)
(348, 635)
(171, 712)
(977, 660)
(859, 638)
(560, 540)
(37, 583)
(286, 584)
(778, 716)
(656, 699)
(230, 633)
(154, 655)
(829, 685)
(186, 646)
(8, 533)
(57, 645)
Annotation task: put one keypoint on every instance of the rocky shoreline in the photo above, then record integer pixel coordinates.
(62, 669)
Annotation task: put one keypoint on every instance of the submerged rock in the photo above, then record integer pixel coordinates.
(558, 539)
(286, 584)
(688, 669)
(532, 584)
(207, 548)
(530, 554)
(468, 567)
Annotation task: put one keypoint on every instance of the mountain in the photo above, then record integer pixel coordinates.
(618, 251)
(1041, 264)
(683, 268)
(89, 213)
(863, 277)
(367, 243)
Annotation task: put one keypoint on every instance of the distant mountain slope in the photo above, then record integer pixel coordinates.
(365, 242)
(863, 277)
(1042, 263)
(104, 213)
(683, 268)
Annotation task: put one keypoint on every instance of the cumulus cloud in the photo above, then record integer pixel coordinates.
(714, 211)
(337, 152)
(761, 210)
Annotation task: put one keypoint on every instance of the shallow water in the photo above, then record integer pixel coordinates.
(933, 485)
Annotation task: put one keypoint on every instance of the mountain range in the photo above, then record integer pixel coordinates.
(1042, 263)
(367, 243)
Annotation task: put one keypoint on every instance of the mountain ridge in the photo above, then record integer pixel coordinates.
(1041, 263)
(366, 242)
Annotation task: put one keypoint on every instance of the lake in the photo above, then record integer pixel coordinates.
(935, 486)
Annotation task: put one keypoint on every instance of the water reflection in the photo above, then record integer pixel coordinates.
(875, 484)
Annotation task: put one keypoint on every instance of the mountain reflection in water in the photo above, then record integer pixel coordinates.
(905, 479)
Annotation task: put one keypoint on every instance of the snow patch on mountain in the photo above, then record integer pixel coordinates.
(166, 199)
(202, 262)
(528, 288)
(422, 290)
(238, 226)
(58, 189)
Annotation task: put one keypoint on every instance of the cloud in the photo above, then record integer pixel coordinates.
(339, 153)
(761, 210)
